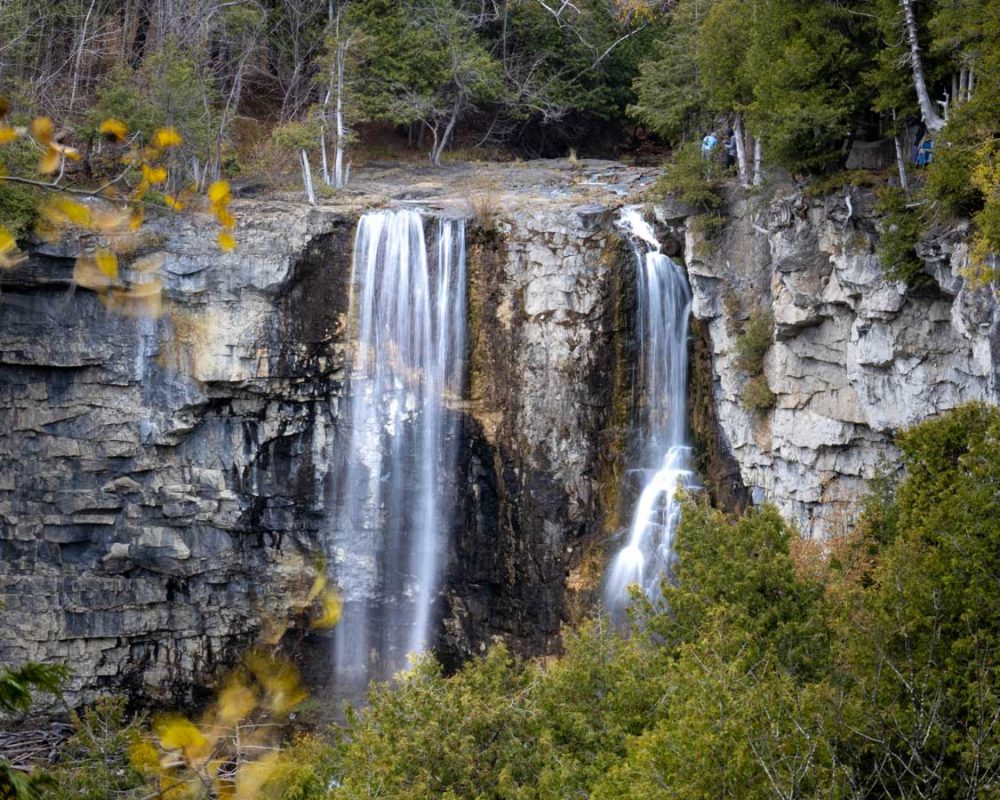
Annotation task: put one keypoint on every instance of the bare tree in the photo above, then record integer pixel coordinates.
(932, 119)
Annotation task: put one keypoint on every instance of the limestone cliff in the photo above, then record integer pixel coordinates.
(855, 357)
(164, 481)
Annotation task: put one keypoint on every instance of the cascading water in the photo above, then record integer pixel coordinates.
(394, 492)
(664, 307)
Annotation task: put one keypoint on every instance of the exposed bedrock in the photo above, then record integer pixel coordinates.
(855, 357)
(161, 480)
(164, 483)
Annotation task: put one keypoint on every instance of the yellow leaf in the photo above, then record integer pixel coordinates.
(109, 221)
(153, 175)
(148, 264)
(178, 733)
(69, 152)
(87, 275)
(226, 241)
(219, 194)
(173, 202)
(41, 129)
(143, 757)
(10, 256)
(330, 611)
(135, 219)
(50, 161)
(114, 130)
(319, 584)
(7, 241)
(107, 262)
(75, 212)
(280, 680)
(253, 775)
(236, 702)
(226, 220)
(166, 137)
(7, 134)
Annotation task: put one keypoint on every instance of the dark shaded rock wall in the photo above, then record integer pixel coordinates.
(545, 292)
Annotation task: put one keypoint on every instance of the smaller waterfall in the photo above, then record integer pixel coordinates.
(664, 307)
(394, 492)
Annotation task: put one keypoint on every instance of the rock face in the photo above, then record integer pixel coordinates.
(161, 480)
(546, 297)
(854, 358)
(164, 481)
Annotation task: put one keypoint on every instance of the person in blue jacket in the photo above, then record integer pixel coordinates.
(708, 145)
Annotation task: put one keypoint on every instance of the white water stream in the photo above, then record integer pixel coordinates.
(394, 495)
(664, 308)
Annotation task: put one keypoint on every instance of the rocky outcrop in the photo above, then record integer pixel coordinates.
(164, 480)
(855, 357)
(547, 286)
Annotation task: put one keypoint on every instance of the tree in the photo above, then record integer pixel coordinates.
(16, 688)
(932, 119)
(424, 65)
(670, 98)
(920, 631)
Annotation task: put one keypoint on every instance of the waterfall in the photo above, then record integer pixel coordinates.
(394, 483)
(664, 307)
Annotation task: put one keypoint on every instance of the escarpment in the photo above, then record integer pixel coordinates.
(165, 481)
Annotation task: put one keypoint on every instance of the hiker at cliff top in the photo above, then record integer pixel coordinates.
(730, 149)
(708, 144)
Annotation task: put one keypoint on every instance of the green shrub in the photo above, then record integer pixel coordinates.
(900, 232)
(752, 345)
(949, 176)
(94, 763)
(757, 396)
(18, 208)
(693, 180)
(121, 97)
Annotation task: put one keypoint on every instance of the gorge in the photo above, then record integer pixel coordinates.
(168, 487)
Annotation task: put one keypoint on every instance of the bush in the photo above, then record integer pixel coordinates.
(757, 396)
(900, 232)
(693, 180)
(18, 208)
(949, 176)
(752, 345)
(94, 763)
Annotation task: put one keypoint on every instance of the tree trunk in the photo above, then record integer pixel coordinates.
(741, 150)
(307, 180)
(440, 144)
(972, 83)
(901, 163)
(758, 175)
(338, 158)
(324, 166)
(932, 119)
(79, 54)
(900, 155)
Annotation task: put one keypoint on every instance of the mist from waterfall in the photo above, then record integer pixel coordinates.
(664, 308)
(396, 449)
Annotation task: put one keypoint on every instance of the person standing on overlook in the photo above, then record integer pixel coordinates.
(708, 145)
